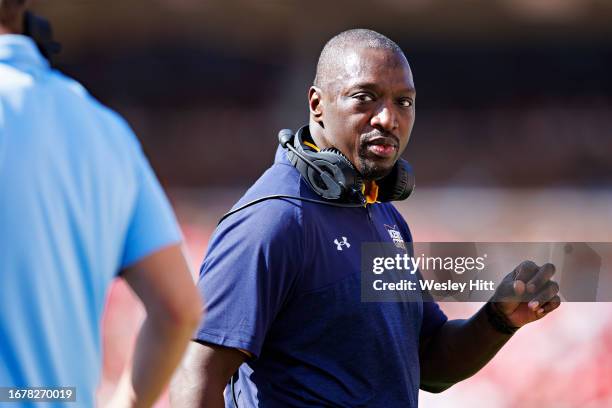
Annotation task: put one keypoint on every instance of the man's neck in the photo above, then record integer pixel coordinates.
(11, 20)
(6, 29)
(316, 132)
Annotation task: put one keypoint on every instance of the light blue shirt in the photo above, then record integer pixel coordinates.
(78, 202)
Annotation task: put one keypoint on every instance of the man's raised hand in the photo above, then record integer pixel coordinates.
(527, 294)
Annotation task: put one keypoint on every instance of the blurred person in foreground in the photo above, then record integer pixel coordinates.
(78, 205)
(285, 326)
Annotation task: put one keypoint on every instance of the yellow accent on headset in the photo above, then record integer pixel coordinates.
(312, 146)
(370, 192)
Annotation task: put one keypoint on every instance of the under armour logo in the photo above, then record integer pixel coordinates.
(340, 244)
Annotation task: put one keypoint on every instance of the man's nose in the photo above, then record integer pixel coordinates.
(384, 119)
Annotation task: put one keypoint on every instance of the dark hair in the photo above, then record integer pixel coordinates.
(11, 9)
(12, 3)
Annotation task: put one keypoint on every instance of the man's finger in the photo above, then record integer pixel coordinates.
(513, 286)
(545, 295)
(518, 287)
(543, 275)
(554, 303)
(507, 290)
(525, 271)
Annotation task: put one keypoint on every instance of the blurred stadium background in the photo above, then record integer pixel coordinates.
(513, 138)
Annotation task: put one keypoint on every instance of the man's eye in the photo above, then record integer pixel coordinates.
(406, 103)
(363, 97)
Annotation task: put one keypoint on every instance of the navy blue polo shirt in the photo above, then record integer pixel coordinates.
(281, 279)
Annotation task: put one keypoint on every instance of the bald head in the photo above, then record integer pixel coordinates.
(333, 56)
(362, 101)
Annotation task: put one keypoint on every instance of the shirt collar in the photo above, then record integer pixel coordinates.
(21, 51)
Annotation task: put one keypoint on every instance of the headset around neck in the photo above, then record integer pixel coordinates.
(333, 177)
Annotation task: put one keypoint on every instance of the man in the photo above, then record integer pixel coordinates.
(281, 277)
(78, 204)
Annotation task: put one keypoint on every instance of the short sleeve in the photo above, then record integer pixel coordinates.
(433, 319)
(253, 261)
(152, 225)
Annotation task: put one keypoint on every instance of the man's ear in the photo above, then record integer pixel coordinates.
(315, 104)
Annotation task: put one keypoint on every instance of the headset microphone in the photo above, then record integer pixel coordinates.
(284, 137)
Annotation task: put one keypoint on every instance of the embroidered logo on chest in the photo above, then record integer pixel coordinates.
(396, 236)
(342, 243)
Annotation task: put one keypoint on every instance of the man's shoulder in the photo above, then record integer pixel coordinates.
(280, 179)
(17, 80)
(263, 214)
(262, 211)
(115, 129)
(66, 91)
(12, 80)
(72, 88)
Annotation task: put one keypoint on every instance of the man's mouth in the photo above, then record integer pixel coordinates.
(382, 147)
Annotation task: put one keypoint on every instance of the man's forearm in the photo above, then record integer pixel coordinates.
(201, 378)
(189, 391)
(458, 350)
(159, 349)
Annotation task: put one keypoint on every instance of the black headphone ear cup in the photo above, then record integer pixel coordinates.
(323, 185)
(397, 185)
(328, 172)
(347, 175)
(331, 191)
